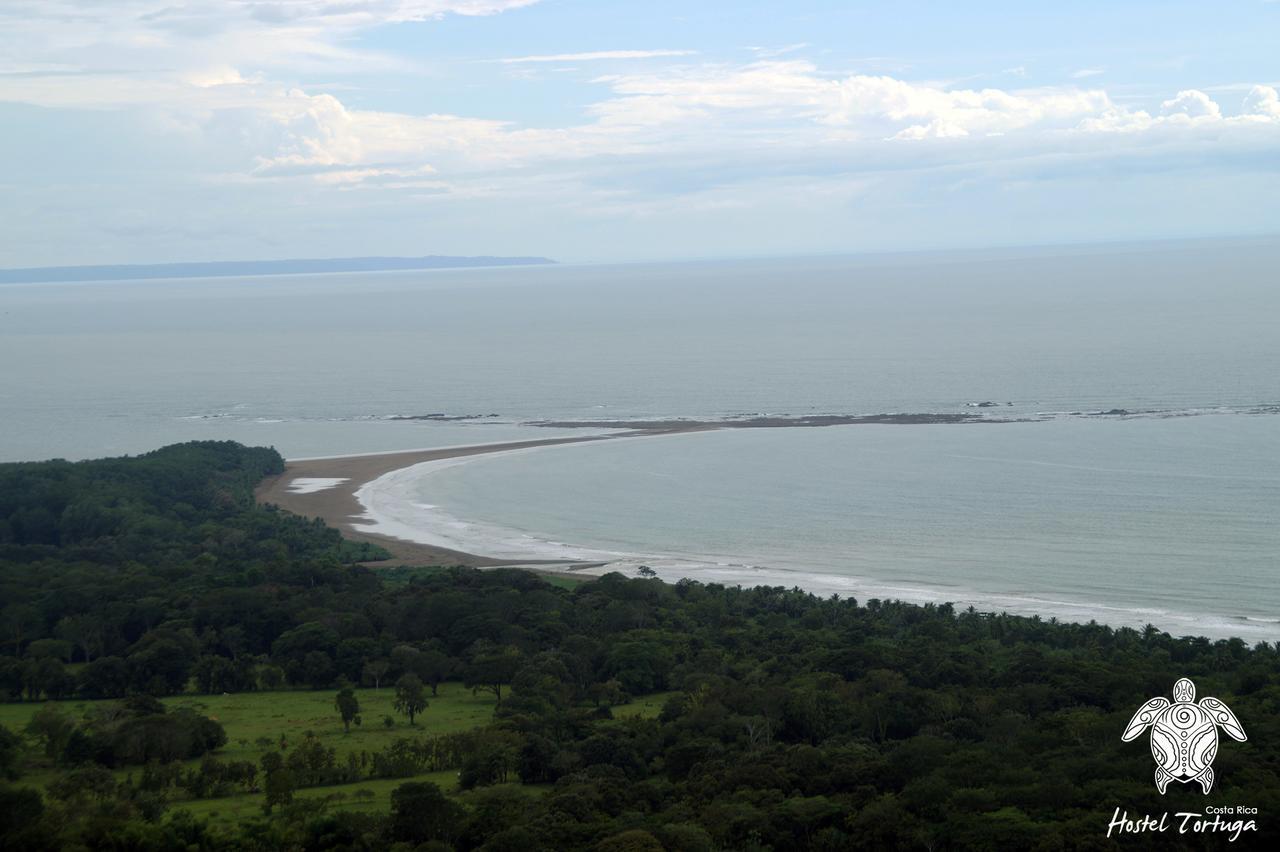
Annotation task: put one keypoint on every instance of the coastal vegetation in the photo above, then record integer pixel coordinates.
(183, 668)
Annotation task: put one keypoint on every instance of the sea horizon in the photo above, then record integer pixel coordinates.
(1098, 346)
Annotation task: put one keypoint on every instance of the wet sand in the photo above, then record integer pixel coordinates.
(338, 507)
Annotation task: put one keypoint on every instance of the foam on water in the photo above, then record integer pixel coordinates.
(394, 507)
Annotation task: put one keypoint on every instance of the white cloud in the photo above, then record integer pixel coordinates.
(1086, 72)
(597, 55)
(365, 12)
(219, 78)
(151, 36)
(1263, 101)
(775, 52)
(856, 106)
(711, 124)
(217, 14)
(1193, 104)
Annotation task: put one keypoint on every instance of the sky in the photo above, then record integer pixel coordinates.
(136, 131)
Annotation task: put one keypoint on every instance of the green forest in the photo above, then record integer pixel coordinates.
(183, 669)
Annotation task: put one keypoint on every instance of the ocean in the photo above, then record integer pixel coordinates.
(1139, 481)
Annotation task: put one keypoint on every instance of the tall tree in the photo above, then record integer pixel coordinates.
(411, 699)
(492, 666)
(420, 813)
(10, 754)
(348, 707)
(433, 667)
(278, 781)
(52, 727)
(373, 672)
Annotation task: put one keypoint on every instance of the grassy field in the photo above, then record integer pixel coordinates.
(256, 721)
(643, 707)
(249, 717)
(372, 796)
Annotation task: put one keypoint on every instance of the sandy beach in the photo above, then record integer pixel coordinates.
(337, 506)
(326, 488)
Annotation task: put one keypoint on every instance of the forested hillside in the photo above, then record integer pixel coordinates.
(786, 721)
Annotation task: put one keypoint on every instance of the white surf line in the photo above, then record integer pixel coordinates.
(312, 484)
(390, 510)
(401, 516)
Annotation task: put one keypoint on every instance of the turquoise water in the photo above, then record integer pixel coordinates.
(1169, 513)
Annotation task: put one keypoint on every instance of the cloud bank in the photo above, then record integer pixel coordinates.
(237, 95)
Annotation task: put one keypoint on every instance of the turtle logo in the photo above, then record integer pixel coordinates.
(1184, 734)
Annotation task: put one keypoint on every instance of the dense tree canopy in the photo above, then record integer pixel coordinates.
(793, 721)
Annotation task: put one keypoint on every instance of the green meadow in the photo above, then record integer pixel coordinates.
(249, 718)
(257, 722)
(372, 796)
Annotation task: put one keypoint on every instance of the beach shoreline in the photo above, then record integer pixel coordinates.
(327, 488)
(330, 489)
(336, 481)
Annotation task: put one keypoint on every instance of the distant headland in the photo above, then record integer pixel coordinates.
(231, 268)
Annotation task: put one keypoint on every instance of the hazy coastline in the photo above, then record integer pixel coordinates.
(1048, 441)
(236, 268)
(372, 498)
